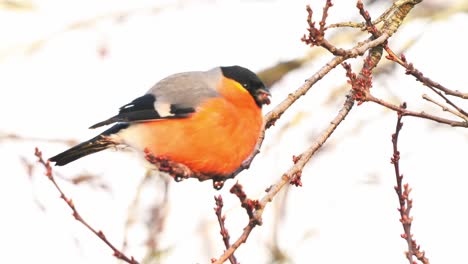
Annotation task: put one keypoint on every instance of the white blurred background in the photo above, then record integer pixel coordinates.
(65, 65)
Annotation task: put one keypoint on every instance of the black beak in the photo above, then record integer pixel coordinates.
(262, 96)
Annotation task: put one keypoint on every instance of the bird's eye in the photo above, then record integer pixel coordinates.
(245, 85)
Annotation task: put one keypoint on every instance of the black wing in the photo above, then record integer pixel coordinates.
(144, 108)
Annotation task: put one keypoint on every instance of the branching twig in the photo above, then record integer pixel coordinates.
(364, 95)
(434, 86)
(410, 69)
(316, 36)
(249, 205)
(363, 25)
(117, 253)
(224, 232)
(444, 107)
(370, 27)
(406, 204)
(424, 115)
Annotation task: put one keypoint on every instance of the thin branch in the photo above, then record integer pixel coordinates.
(248, 204)
(362, 25)
(410, 69)
(322, 23)
(370, 27)
(358, 50)
(424, 115)
(406, 204)
(224, 232)
(364, 95)
(444, 107)
(435, 87)
(49, 173)
(316, 36)
(463, 113)
(350, 24)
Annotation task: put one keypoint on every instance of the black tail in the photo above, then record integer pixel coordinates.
(91, 146)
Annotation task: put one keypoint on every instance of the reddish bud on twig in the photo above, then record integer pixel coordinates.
(406, 204)
(296, 180)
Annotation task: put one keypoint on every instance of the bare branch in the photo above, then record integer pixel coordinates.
(363, 25)
(406, 204)
(117, 253)
(410, 69)
(224, 232)
(444, 107)
(424, 115)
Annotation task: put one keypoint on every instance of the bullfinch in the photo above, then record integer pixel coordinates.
(209, 121)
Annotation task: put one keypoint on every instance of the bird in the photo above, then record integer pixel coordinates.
(209, 121)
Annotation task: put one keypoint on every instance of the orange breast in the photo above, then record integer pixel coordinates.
(214, 140)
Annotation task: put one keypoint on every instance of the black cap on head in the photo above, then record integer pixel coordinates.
(249, 81)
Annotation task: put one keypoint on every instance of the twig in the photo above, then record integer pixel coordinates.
(224, 232)
(464, 114)
(435, 87)
(444, 107)
(406, 204)
(410, 69)
(370, 27)
(322, 23)
(350, 24)
(424, 115)
(316, 36)
(117, 253)
(249, 205)
(362, 25)
(364, 95)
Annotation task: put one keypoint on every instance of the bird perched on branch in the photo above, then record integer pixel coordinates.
(209, 121)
